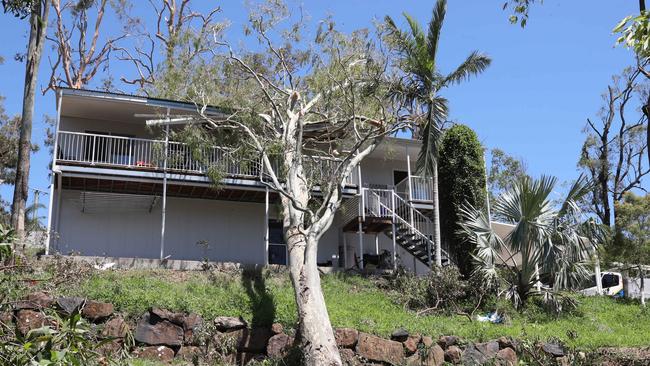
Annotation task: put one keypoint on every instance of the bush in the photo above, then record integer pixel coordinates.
(7, 238)
(462, 180)
(443, 289)
(68, 341)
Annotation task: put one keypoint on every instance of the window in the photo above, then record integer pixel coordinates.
(399, 175)
(277, 245)
(610, 280)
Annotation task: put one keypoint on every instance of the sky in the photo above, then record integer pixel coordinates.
(544, 82)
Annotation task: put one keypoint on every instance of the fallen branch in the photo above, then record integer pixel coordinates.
(13, 266)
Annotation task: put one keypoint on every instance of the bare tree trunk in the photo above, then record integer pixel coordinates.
(646, 107)
(435, 215)
(315, 330)
(642, 277)
(38, 26)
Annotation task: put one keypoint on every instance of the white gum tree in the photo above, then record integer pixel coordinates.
(308, 113)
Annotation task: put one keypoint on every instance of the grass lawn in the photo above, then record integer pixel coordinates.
(354, 301)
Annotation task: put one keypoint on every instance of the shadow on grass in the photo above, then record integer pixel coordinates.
(262, 303)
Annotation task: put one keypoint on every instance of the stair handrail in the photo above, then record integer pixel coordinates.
(417, 216)
(395, 214)
(410, 227)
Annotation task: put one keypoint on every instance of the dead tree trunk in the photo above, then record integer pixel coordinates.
(38, 26)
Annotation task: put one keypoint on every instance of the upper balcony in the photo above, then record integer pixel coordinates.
(148, 155)
(416, 189)
(103, 144)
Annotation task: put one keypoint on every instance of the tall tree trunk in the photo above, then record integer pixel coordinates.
(435, 215)
(38, 26)
(603, 180)
(646, 107)
(315, 330)
(642, 276)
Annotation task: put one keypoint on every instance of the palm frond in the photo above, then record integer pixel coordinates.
(435, 27)
(416, 31)
(402, 40)
(552, 240)
(476, 228)
(474, 64)
(580, 188)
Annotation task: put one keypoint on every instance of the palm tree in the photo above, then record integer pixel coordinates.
(554, 241)
(419, 89)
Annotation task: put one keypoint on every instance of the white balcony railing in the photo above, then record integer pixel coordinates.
(146, 154)
(415, 188)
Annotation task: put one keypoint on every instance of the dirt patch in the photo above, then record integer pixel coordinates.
(628, 356)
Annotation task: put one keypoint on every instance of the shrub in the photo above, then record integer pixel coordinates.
(7, 238)
(68, 342)
(443, 289)
(462, 180)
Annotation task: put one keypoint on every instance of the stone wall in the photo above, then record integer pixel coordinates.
(167, 336)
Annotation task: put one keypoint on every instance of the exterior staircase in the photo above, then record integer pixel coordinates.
(383, 210)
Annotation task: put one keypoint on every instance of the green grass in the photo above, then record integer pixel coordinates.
(356, 302)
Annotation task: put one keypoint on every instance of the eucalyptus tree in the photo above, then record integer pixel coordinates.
(307, 113)
(420, 85)
(549, 242)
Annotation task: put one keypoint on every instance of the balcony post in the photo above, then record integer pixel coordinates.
(55, 154)
(392, 205)
(410, 183)
(130, 153)
(360, 230)
(92, 157)
(408, 167)
(376, 243)
(362, 205)
(266, 226)
(164, 195)
(345, 250)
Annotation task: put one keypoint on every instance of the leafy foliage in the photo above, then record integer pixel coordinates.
(462, 180)
(505, 171)
(67, 341)
(9, 133)
(19, 8)
(634, 33)
(632, 241)
(7, 239)
(551, 241)
(439, 289)
(519, 9)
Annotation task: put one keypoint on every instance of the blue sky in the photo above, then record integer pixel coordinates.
(545, 80)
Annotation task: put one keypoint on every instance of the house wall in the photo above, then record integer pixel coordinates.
(380, 171)
(76, 124)
(234, 231)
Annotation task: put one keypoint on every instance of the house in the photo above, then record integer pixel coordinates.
(120, 190)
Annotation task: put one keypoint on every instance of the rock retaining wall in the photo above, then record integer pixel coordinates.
(164, 335)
